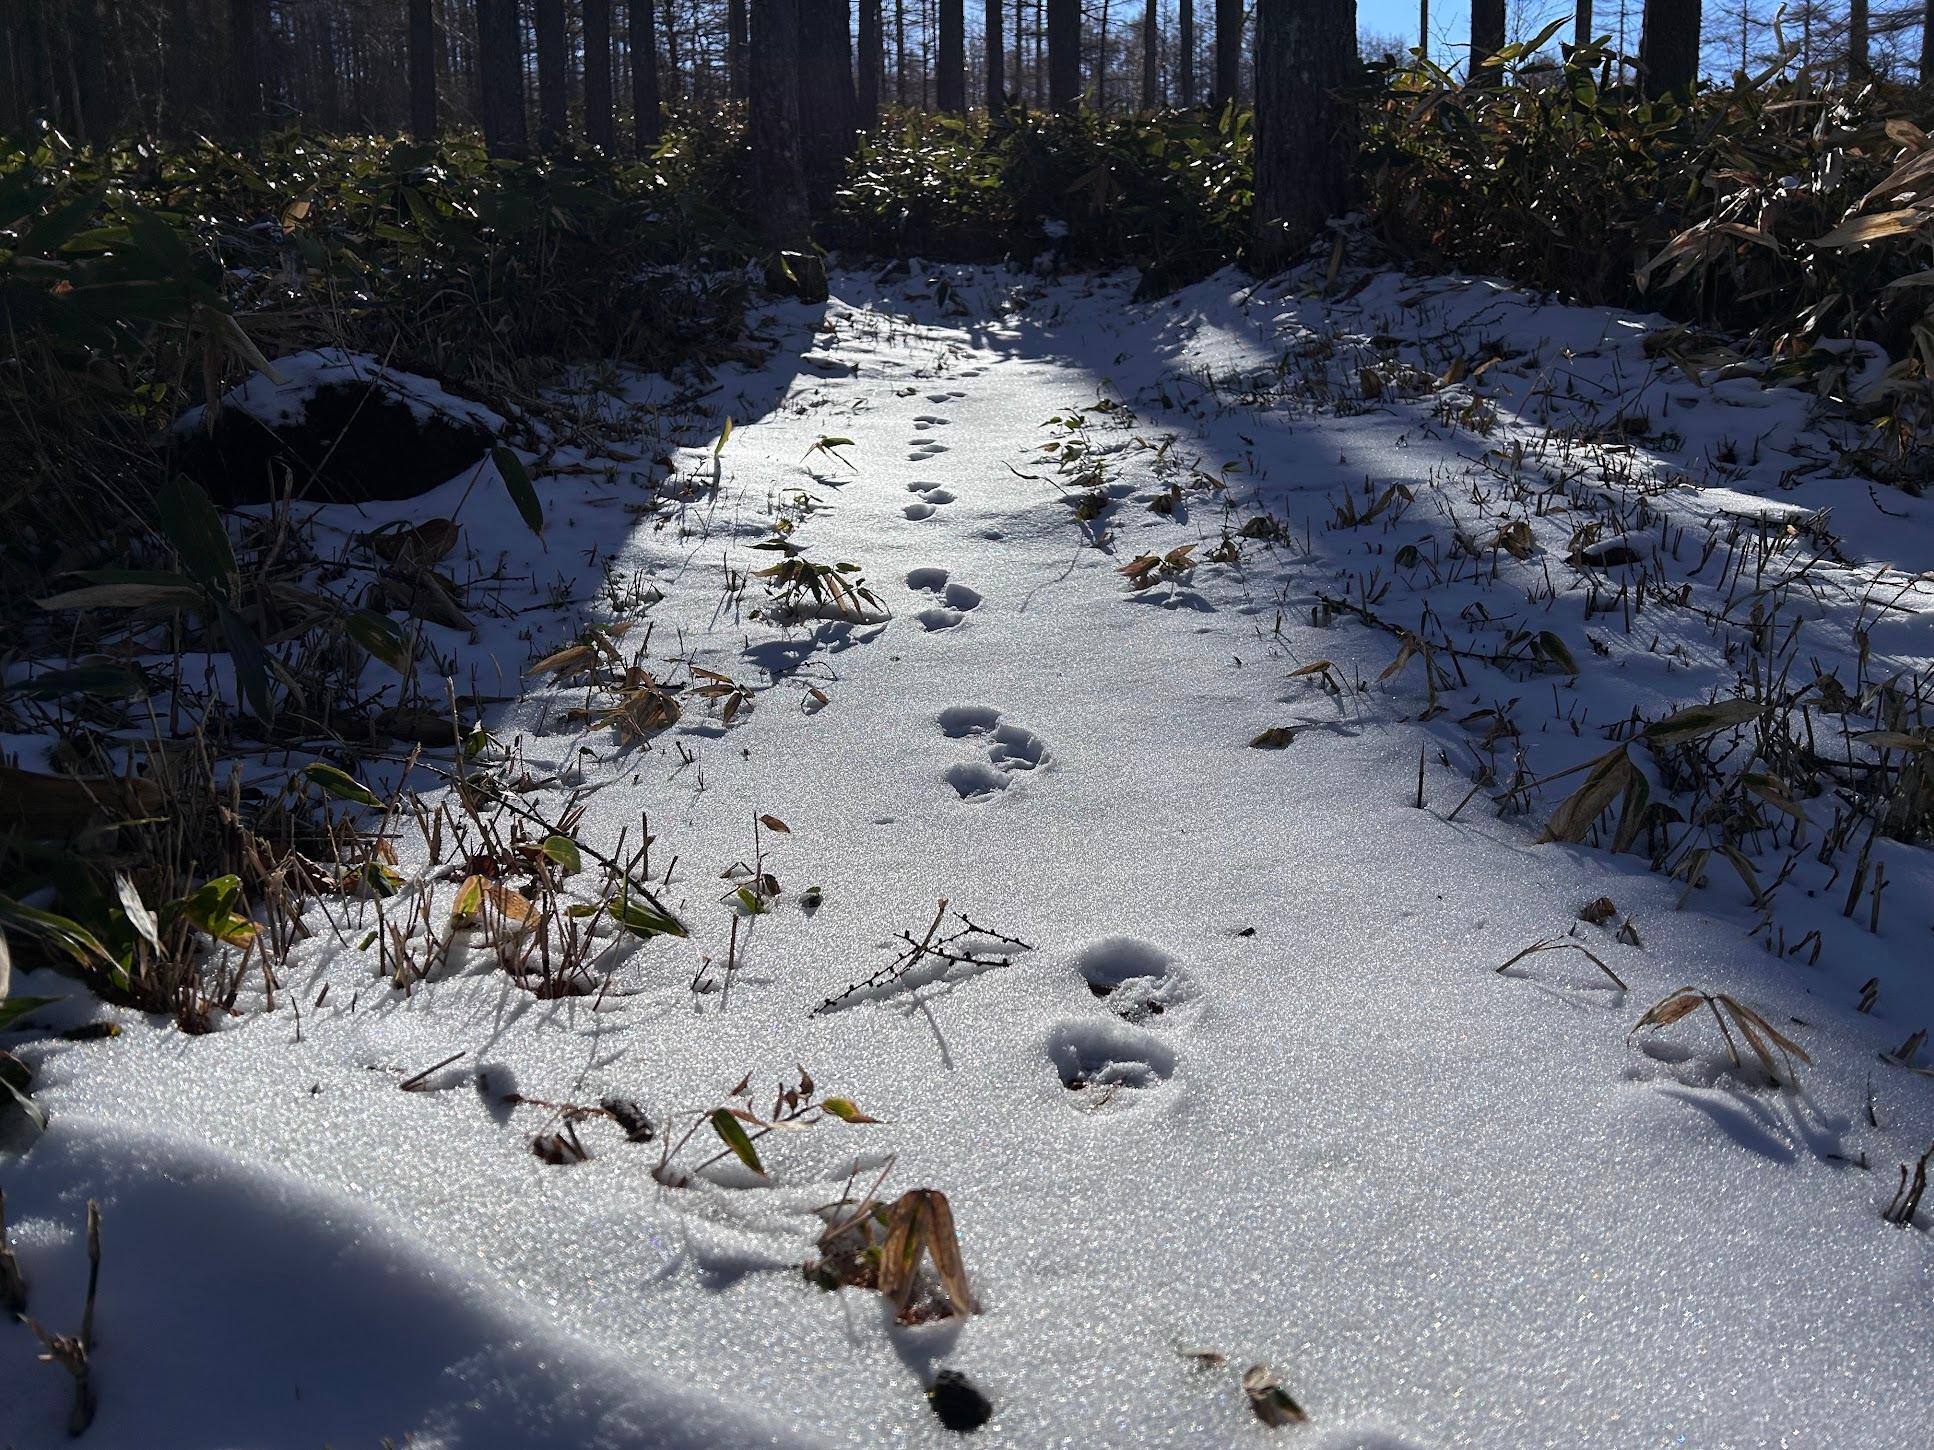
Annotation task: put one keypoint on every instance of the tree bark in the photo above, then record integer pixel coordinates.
(1858, 65)
(772, 122)
(1305, 54)
(1927, 50)
(1487, 39)
(674, 80)
(996, 57)
(1151, 57)
(1064, 56)
(1669, 47)
(827, 105)
(244, 69)
(872, 64)
(1185, 52)
(600, 125)
(1581, 31)
(735, 57)
(423, 69)
(553, 75)
(1228, 53)
(950, 85)
(500, 76)
(647, 121)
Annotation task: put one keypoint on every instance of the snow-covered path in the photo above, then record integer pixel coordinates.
(1256, 1090)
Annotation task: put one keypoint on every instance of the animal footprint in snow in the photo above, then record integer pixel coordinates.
(1103, 1060)
(956, 600)
(932, 496)
(1137, 979)
(1006, 749)
(930, 420)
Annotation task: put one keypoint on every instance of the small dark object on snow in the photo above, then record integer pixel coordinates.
(957, 1404)
(1598, 912)
(354, 441)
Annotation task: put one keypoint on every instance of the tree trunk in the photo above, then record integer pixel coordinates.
(996, 58)
(1185, 53)
(1858, 67)
(1581, 31)
(950, 85)
(1927, 49)
(244, 69)
(1101, 61)
(674, 80)
(1305, 54)
(1423, 27)
(600, 127)
(553, 75)
(772, 122)
(826, 100)
(1669, 47)
(647, 122)
(500, 76)
(1487, 39)
(423, 70)
(1064, 56)
(872, 64)
(735, 57)
(1228, 53)
(1151, 57)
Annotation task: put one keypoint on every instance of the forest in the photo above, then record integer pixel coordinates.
(817, 722)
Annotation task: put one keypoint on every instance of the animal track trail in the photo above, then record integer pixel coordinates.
(955, 601)
(1107, 1062)
(931, 497)
(1005, 750)
(1140, 982)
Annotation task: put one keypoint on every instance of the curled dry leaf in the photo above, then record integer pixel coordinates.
(1271, 1403)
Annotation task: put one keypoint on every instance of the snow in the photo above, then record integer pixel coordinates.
(1257, 1088)
(281, 397)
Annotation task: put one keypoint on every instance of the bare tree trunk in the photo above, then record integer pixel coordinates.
(735, 46)
(899, 52)
(1669, 47)
(826, 103)
(1858, 66)
(950, 84)
(244, 69)
(1581, 30)
(647, 122)
(1064, 56)
(1228, 53)
(1305, 54)
(500, 73)
(1487, 39)
(996, 57)
(423, 70)
(1185, 52)
(553, 76)
(1423, 27)
(1101, 66)
(674, 79)
(1927, 49)
(872, 64)
(772, 122)
(600, 125)
(1151, 57)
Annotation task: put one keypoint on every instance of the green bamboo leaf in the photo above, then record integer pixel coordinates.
(564, 851)
(383, 639)
(193, 526)
(1699, 721)
(732, 1132)
(14, 1008)
(518, 483)
(340, 784)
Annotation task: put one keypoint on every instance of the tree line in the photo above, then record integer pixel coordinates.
(813, 76)
(99, 69)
